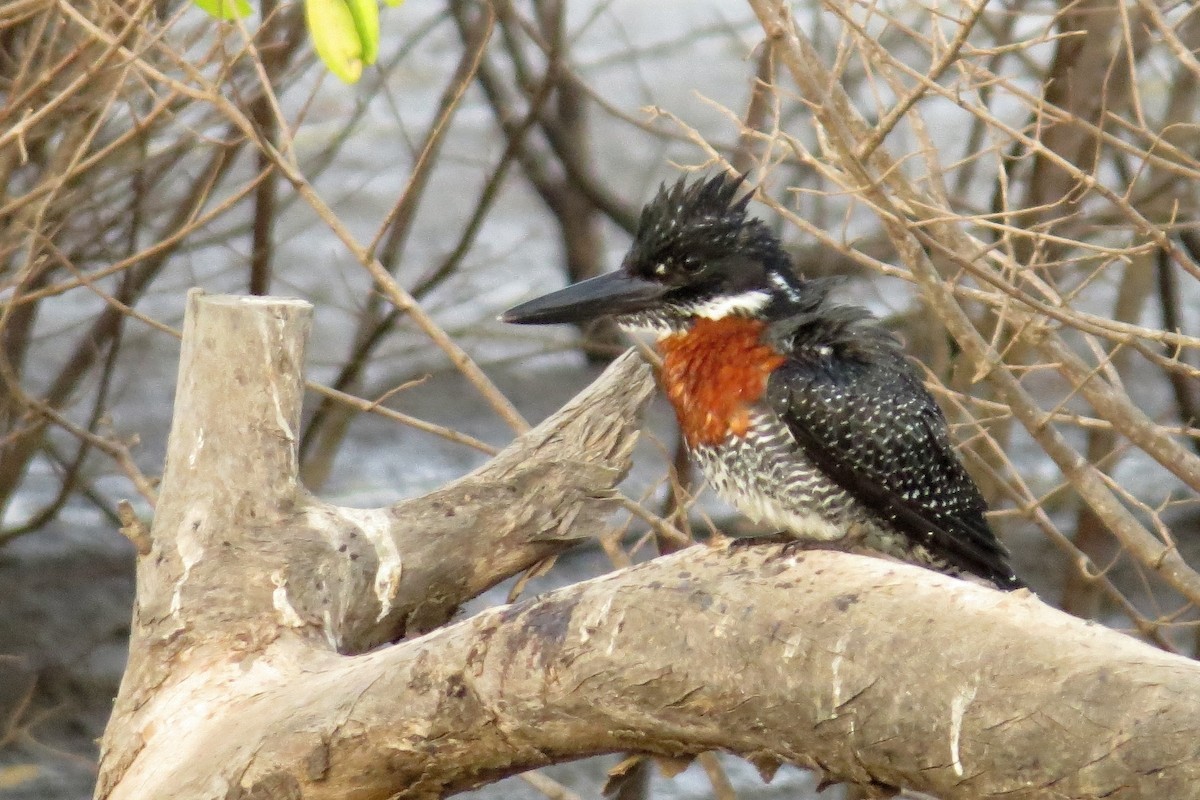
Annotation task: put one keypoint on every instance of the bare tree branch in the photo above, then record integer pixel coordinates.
(912, 219)
(343, 578)
(877, 673)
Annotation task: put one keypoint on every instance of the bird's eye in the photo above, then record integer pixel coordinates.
(692, 265)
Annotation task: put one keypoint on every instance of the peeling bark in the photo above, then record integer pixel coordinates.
(248, 674)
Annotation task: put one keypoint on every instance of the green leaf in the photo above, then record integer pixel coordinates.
(225, 9)
(366, 22)
(335, 37)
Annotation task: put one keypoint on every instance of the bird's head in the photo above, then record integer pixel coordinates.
(696, 255)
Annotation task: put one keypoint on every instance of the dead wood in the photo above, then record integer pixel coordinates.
(250, 675)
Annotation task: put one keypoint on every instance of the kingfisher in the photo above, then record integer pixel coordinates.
(803, 414)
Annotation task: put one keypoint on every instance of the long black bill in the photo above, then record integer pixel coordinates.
(610, 294)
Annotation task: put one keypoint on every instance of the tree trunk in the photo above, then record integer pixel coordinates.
(256, 668)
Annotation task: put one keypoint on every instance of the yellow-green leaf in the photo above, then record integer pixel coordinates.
(366, 21)
(225, 9)
(335, 37)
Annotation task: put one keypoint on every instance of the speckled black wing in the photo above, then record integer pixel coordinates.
(872, 427)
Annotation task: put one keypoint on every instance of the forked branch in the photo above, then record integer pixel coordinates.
(248, 676)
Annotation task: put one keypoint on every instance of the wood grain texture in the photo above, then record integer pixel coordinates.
(243, 558)
(249, 675)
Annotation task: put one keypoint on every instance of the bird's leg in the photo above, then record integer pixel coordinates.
(793, 544)
(844, 545)
(780, 537)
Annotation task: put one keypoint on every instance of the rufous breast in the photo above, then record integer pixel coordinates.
(713, 373)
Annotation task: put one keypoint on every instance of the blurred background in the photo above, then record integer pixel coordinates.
(498, 150)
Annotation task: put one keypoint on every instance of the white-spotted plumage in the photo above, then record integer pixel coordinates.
(765, 476)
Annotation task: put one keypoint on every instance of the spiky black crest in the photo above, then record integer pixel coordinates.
(703, 219)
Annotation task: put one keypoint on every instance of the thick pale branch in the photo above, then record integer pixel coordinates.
(874, 672)
(545, 492)
(242, 556)
(871, 671)
(355, 577)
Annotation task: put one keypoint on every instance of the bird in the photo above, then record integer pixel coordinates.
(804, 414)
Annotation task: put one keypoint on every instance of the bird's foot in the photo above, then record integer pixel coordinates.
(783, 537)
(795, 546)
(791, 544)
